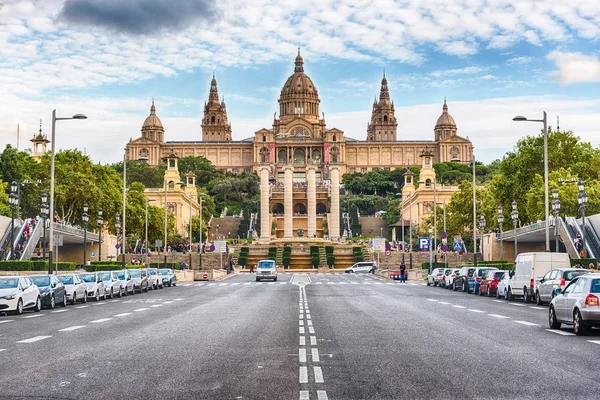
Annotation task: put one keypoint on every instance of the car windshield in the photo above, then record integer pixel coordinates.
(105, 276)
(152, 272)
(165, 271)
(498, 274)
(268, 264)
(135, 273)
(9, 283)
(41, 281)
(91, 278)
(67, 280)
(121, 275)
(570, 275)
(595, 287)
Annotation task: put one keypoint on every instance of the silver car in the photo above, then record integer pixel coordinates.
(555, 279)
(94, 285)
(75, 287)
(168, 277)
(266, 269)
(140, 279)
(127, 285)
(577, 305)
(155, 278)
(112, 285)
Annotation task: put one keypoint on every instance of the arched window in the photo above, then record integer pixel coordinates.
(334, 137)
(321, 208)
(334, 155)
(277, 208)
(316, 155)
(299, 208)
(282, 156)
(264, 138)
(299, 156)
(428, 183)
(385, 118)
(264, 155)
(171, 185)
(212, 119)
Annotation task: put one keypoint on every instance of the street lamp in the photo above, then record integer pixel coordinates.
(430, 251)
(117, 229)
(515, 218)
(544, 120)
(146, 233)
(200, 249)
(45, 211)
(51, 239)
(582, 199)
(482, 227)
(555, 210)
(13, 199)
(100, 222)
(85, 217)
(500, 221)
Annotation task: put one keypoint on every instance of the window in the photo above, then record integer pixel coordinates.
(547, 276)
(428, 183)
(595, 288)
(212, 119)
(363, 170)
(334, 137)
(385, 119)
(264, 138)
(579, 285)
(571, 286)
(553, 274)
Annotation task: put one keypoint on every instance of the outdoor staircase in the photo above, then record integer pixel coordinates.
(322, 257)
(279, 256)
(367, 255)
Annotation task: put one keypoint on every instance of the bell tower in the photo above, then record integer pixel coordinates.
(215, 127)
(39, 139)
(383, 124)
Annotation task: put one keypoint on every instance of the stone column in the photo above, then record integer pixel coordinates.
(334, 229)
(265, 228)
(311, 195)
(288, 199)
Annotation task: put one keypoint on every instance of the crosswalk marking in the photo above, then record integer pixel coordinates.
(594, 341)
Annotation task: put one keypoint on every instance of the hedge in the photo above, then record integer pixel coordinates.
(330, 260)
(315, 261)
(272, 255)
(585, 262)
(38, 265)
(329, 250)
(286, 261)
(100, 266)
(425, 265)
(357, 253)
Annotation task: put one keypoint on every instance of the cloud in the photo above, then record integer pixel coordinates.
(460, 71)
(138, 17)
(575, 67)
(519, 60)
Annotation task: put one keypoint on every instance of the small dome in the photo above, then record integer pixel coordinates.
(445, 119)
(152, 121)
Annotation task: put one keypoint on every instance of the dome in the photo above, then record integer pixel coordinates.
(445, 119)
(152, 121)
(299, 83)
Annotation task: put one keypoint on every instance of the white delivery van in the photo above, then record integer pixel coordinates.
(529, 269)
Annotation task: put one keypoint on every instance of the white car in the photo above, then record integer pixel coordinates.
(112, 284)
(155, 278)
(450, 277)
(362, 267)
(94, 285)
(127, 284)
(502, 289)
(75, 288)
(266, 269)
(434, 277)
(18, 293)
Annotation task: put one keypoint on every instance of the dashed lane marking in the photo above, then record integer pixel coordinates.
(123, 314)
(1, 350)
(58, 311)
(6, 320)
(516, 304)
(304, 395)
(456, 306)
(167, 302)
(443, 302)
(156, 305)
(318, 375)
(563, 333)
(236, 283)
(34, 339)
(72, 328)
(473, 310)
(594, 341)
(114, 301)
(320, 283)
(313, 340)
(32, 316)
(178, 299)
(315, 355)
(526, 323)
(301, 322)
(538, 308)
(188, 284)
(322, 395)
(498, 316)
(302, 355)
(141, 309)
(432, 300)
(82, 307)
(99, 321)
(303, 375)
(498, 301)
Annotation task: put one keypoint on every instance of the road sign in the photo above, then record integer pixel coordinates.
(444, 248)
(424, 244)
(117, 246)
(388, 246)
(205, 276)
(379, 244)
(58, 240)
(212, 247)
(158, 243)
(388, 253)
(457, 246)
(220, 246)
(444, 235)
(93, 254)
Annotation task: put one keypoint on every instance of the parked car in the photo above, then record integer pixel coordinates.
(450, 278)
(52, 290)
(18, 293)
(475, 279)
(127, 285)
(461, 280)
(75, 287)
(168, 277)
(140, 280)
(577, 305)
(94, 285)
(112, 284)
(266, 269)
(529, 269)
(555, 279)
(434, 277)
(362, 267)
(155, 278)
(502, 289)
(489, 284)
(445, 273)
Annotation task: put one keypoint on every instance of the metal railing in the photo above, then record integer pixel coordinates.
(17, 238)
(33, 240)
(524, 229)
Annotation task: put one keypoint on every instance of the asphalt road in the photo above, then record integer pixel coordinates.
(317, 336)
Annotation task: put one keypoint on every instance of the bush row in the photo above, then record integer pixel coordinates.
(38, 265)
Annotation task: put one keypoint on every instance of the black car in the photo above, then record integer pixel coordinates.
(461, 280)
(52, 290)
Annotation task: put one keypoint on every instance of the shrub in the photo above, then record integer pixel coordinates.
(243, 260)
(39, 265)
(315, 261)
(330, 260)
(286, 261)
(329, 249)
(272, 253)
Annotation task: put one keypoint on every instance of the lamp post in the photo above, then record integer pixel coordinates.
(556, 211)
(117, 229)
(85, 217)
(200, 234)
(100, 223)
(45, 212)
(515, 218)
(482, 227)
(582, 199)
(544, 120)
(500, 221)
(430, 251)
(146, 232)
(53, 151)
(14, 204)
(123, 248)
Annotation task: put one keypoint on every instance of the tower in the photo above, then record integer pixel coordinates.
(38, 140)
(383, 124)
(172, 179)
(152, 128)
(215, 126)
(445, 126)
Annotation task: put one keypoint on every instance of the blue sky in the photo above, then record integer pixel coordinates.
(106, 58)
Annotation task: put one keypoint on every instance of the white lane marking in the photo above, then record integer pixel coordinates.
(311, 329)
(429, 299)
(188, 284)
(141, 309)
(498, 316)
(302, 355)
(318, 283)
(315, 355)
(223, 284)
(526, 323)
(443, 302)
(98, 321)
(236, 283)
(318, 374)
(459, 306)
(212, 284)
(32, 316)
(34, 339)
(331, 283)
(270, 283)
(378, 283)
(99, 304)
(82, 307)
(58, 311)
(309, 322)
(538, 308)
(283, 283)
(516, 304)
(156, 305)
(167, 302)
(354, 283)
(499, 301)
(313, 340)
(178, 299)
(301, 322)
(114, 301)
(563, 333)
(322, 395)
(301, 330)
(248, 283)
(302, 340)
(72, 328)
(123, 314)
(1, 350)
(474, 310)
(594, 341)
(304, 395)
(303, 378)
(6, 320)
(366, 283)
(343, 283)
(307, 316)
(390, 283)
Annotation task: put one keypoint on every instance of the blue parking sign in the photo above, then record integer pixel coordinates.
(457, 246)
(423, 244)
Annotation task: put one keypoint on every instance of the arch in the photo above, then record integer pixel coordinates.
(299, 208)
(277, 208)
(299, 155)
(334, 137)
(316, 155)
(321, 208)
(264, 138)
(171, 185)
(428, 183)
(385, 118)
(264, 155)
(282, 156)
(334, 155)
(212, 119)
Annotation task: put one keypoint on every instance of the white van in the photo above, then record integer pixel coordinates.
(529, 269)
(363, 266)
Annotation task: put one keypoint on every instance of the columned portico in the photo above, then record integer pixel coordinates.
(288, 200)
(265, 229)
(334, 231)
(311, 194)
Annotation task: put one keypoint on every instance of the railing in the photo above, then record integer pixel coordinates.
(524, 229)
(33, 240)
(575, 225)
(592, 238)
(5, 242)
(17, 238)
(569, 242)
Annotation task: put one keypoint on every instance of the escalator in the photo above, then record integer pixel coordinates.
(592, 248)
(31, 244)
(567, 234)
(18, 239)
(592, 241)
(5, 242)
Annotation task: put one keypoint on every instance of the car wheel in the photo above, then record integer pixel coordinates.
(174, 283)
(428, 283)
(509, 295)
(526, 296)
(19, 309)
(454, 286)
(538, 300)
(552, 322)
(257, 280)
(38, 305)
(120, 293)
(465, 288)
(579, 327)
(145, 289)
(74, 298)
(85, 297)
(111, 294)
(489, 292)
(497, 294)
(64, 302)
(275, 280)
(52, 302)
(97, 298)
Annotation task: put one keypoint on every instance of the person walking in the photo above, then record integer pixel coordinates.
(403, 273)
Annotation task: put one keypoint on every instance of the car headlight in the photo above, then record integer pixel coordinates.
(11, 296)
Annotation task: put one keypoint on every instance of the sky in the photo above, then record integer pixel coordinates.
(107, 59)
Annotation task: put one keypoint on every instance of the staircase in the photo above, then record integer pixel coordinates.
(236, 255)
(5, 242)
(279, 256)
(322, 257)
(18, 237)
(227, 226)
(33, 240)
(367, 255)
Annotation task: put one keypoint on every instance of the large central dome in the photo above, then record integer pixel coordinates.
(299, 83)
(299, 96)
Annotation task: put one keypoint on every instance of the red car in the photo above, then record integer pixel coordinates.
(489, 284)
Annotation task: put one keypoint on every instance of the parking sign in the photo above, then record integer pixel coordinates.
(423, 244)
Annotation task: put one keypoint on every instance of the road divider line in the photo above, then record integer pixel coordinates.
(99, 321)
(499, 301)
(178, 299)
(456, 306)
(322, 395)
(474, 310)
(141, 309)
(114, 301)
(82, 307)
(34, 339)
(301, 322)
(516, 304)
(58, 311)
(72, 328)
(308, 316)
(430, 299)
(156, 305)
(563, 333)
(302, 355)
(526, 323)
(6, 320)
(302, 340)
(32, 316)
(99, 304)
(313, 340)
(1, 350)
(443, 302)
(498, 316)
(303, 375)
(167, 302)
(123, 314)
(315, 354)
(309, 322)
(304, 395)
(538, 308)
(318, 375)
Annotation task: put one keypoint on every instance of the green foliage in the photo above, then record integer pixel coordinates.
(243, 257)
(272, 254)
(4, 205)
(315, 261)
(148, 175)
(376, 182)
(14, 265)
(329, 250)
(204, 170)
(434, 265)
(357, 253)
(330, 260)
(19, 166)
(452, 173)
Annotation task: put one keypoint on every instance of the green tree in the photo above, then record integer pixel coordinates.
(20, 167)
(150, 176)
(205, 171)
(4, 205)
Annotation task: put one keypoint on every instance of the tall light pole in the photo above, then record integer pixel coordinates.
(200, 201)
(515, 219)
(124, 208)
(430, 251)
(435, 212)
(555, 211)
(482, 227)
(582, 199)
(13, 199)
(45, 212)
(165, 243)
(474, 215)
(544, 120)
(117, 229)
(500, 221)
(85, 218)
(147, 249)
(53, 155)
(100, 223)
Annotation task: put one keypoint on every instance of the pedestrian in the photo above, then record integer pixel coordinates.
(592, 266)
(578, 264)
(251, 268)
(403, 273)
